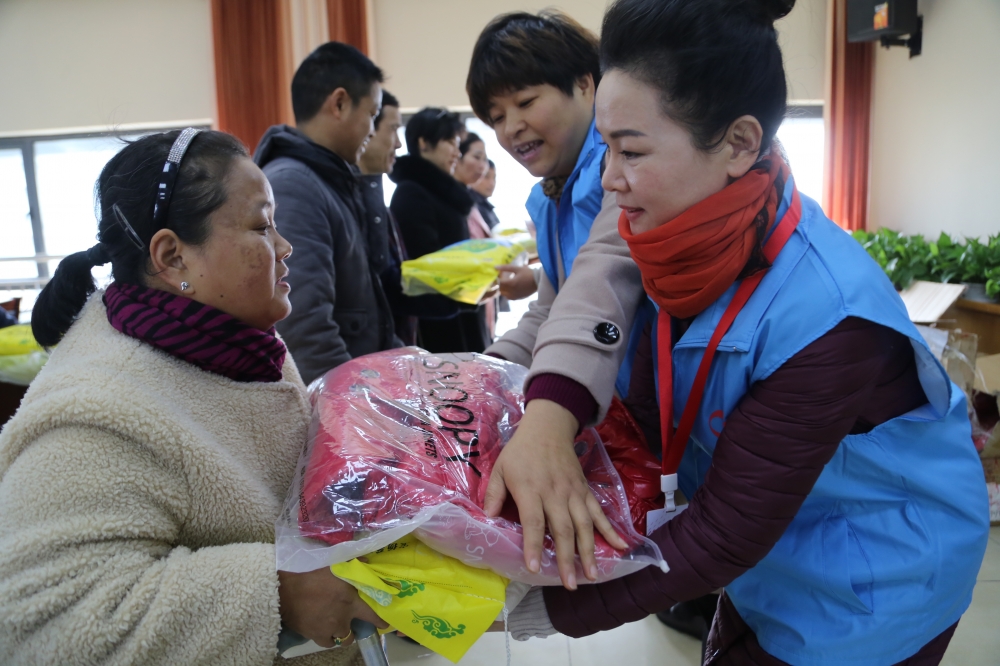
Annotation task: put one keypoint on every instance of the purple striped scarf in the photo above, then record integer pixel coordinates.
(196, 333)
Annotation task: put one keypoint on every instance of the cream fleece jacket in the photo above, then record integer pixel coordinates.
(138, 496)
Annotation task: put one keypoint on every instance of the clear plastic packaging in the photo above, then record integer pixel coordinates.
(21, 357)
(22, 369)
(404, 441)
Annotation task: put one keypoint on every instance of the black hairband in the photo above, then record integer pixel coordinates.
(168, 178)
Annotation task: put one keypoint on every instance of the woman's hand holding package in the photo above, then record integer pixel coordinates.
(319, 606)
(517, 282)
(490, 293)
(540, 468)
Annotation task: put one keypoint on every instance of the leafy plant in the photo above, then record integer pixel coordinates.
(993, 282)
(945, 262)
(907, 258)
(903, 258)
(992, 274)
(975, 261)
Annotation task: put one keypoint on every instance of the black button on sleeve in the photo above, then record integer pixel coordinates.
(606, 333)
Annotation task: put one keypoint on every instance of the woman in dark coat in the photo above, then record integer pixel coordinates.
(432, 210)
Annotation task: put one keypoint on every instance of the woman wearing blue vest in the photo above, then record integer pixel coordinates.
(532, 79)
(835, 494)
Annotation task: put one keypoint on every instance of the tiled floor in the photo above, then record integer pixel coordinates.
(976, 643)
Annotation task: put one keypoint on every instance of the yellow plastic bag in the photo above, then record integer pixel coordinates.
(17, 340)
(520, 236)
(463, 272)
(436, 600)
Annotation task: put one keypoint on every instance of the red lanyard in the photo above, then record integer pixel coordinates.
(674, 443)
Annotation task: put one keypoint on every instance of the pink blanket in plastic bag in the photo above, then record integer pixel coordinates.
(404, 441)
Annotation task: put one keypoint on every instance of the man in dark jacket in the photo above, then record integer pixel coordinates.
(375, 159)
(339, 309)
(385, 241)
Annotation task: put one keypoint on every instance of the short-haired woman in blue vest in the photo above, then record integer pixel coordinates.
(835, 493)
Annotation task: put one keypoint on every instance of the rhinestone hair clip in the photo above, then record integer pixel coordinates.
(168, 178)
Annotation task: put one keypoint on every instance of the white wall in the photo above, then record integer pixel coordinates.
(76, 63)
(802, 37)
(935, 144)
(425, 47)
(82, 63)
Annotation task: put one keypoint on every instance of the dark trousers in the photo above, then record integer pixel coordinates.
(466, 332)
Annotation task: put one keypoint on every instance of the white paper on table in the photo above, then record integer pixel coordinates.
(926, 301)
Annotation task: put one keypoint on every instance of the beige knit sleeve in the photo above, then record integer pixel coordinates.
(89, 575)
(604, 285)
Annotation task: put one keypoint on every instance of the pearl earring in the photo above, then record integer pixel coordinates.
(185, 286)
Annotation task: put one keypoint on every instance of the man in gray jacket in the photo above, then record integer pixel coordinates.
(339, 309)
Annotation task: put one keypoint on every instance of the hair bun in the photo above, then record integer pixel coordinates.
(772, 10)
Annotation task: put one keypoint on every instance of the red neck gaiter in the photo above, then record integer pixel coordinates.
(690, 261)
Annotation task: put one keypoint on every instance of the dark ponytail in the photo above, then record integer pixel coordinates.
(129, 181)
(712, 60)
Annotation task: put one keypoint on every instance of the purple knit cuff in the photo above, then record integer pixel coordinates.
(568, 393)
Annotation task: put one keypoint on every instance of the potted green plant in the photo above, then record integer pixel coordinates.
(993, 283)
(977, 260)
(992, 274)
(903, 258)
(945, 259)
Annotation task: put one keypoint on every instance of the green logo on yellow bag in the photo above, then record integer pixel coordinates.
(383, 598)
(437, 627)
(427, 594)
(408, 589)
(479, 245)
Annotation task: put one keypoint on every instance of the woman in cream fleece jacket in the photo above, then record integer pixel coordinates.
(137, 506)
(139, 487)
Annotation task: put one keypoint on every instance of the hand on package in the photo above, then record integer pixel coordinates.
(490, 293)
(516, 282)
(319, 606)
(540, 469)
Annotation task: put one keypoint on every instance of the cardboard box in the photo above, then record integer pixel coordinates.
(988, 384)
(956, 349)
(988, 374)
(993, 490)
(988, 381)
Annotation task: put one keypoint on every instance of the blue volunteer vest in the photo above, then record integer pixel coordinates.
(562, 230)
(884, 553)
